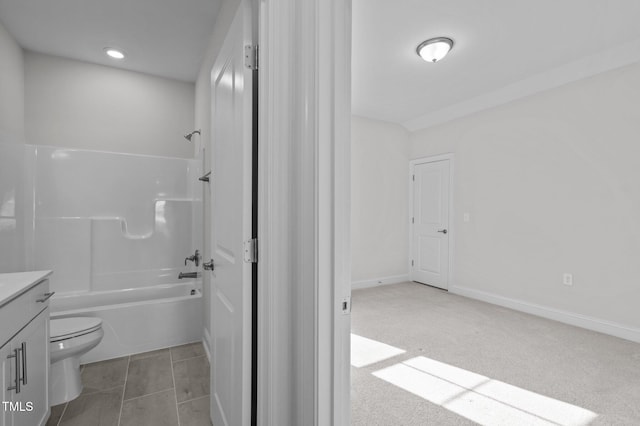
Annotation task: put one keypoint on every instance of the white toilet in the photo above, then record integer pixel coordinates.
(69, 339)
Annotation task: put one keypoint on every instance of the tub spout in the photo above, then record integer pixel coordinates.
(182, 275)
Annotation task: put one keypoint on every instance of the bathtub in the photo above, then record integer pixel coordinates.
(137, 320)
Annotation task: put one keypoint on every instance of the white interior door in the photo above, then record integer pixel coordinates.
(430, 232)
(231, 132)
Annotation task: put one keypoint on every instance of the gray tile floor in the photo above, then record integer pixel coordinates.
(167, 387)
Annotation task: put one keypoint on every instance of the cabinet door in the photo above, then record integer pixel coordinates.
(7, 381)
(33, 340)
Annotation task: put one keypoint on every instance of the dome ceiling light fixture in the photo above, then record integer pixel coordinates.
(434, 49)
(114, 53)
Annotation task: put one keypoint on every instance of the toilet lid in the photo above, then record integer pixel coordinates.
(66, 328)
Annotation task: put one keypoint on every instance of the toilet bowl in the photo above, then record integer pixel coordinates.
(69, 339)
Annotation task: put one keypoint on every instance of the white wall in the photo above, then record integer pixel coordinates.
(551, 183)
(379, 201)
(203, 121)
(12, 255)
(75, 104)
(11, 89)
(12, 208)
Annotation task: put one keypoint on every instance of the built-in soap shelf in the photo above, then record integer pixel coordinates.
(80, 248)
(161, 209)
(166, 214)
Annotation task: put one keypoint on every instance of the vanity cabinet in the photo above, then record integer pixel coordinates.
(27, 373)
(24, 357)
(5, 375)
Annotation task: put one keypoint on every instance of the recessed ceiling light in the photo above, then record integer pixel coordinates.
(434, 49)
(114, 53)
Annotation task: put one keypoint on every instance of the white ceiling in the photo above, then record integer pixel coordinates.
(499, 44)
(161, 37)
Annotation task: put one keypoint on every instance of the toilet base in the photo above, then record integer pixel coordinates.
(64, 381)
(64, 374)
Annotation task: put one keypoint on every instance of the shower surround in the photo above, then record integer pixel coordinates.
(115, 229)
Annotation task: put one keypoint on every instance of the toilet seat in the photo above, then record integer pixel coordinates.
(68, 328)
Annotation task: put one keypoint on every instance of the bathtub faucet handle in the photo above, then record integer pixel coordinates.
(194, 258)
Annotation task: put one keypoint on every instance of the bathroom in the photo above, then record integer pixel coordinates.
(98, 182)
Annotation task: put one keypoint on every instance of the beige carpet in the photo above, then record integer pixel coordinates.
(469, 362)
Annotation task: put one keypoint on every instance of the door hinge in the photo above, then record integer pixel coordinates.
(414, 178)
(345, 305)
(412, 263)
(251, 250)
(413, 220)
(251, 57)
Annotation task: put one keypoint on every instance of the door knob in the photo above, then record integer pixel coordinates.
(444, 231)
(208, 266)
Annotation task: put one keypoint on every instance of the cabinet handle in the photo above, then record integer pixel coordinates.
(16, 387)
(24, 363)
(46, 297)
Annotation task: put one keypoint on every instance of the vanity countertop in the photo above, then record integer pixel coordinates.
(14, 284)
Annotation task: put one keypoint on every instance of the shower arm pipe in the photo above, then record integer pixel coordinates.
(188, 136)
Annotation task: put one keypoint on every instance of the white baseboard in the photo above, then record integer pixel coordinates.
(379, 281)
(206, 342)
(590, 323)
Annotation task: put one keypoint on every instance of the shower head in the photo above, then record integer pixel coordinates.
(188, 136)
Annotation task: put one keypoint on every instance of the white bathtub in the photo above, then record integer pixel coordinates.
(137, 320)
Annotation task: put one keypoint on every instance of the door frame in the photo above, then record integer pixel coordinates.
(304, 267)
(451, 228)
